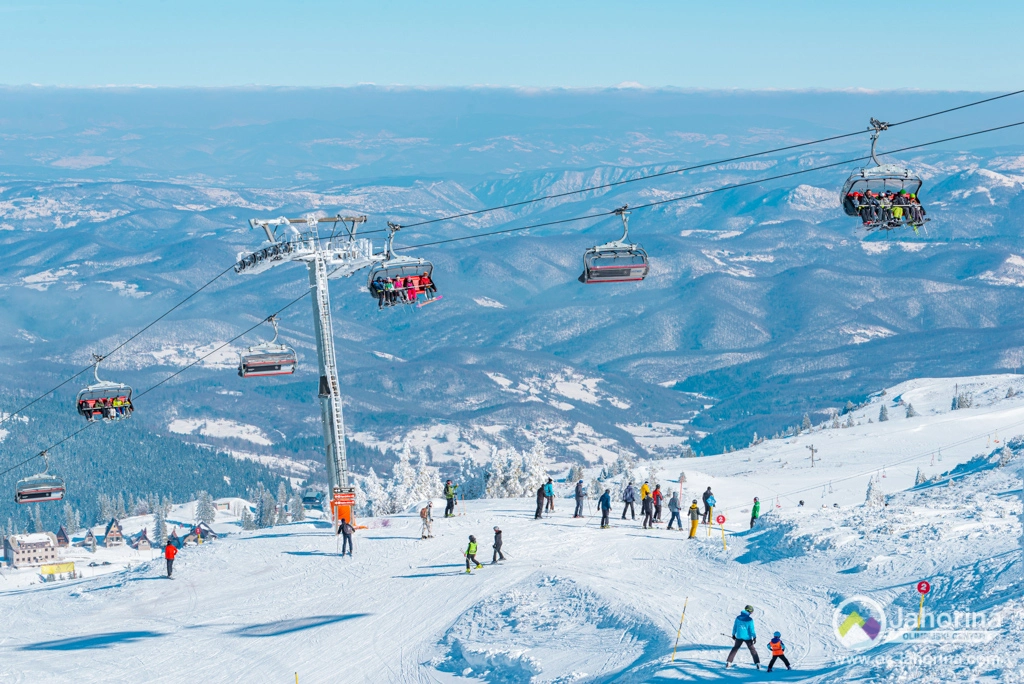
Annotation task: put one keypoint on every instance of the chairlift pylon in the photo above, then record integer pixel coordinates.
(267, 358)
(618, 261)
(883, 196)
(104, 400)
(401, 279)
(40, 487)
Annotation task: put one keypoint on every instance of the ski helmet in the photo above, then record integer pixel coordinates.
(496, 529)
(777, 635)
(749, 609)
(473, 539)
(756, 499)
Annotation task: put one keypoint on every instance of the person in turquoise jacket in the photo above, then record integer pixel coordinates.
(743, 633)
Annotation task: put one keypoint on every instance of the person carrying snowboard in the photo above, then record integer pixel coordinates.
(170, 551)
(498, 555)
(673, 508)
(425, 516)
(605, 505)
(578, 513)
(540, 503)
(549, 495)
(647, 510)
(450, 494)
(657, 497)
(755, 512)
(743, 633)
(778, 650)
(628, 497)
(471, 554)
(346, 530)
(707, 507)
(694, 519)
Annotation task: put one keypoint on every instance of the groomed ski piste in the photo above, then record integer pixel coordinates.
(575, 603)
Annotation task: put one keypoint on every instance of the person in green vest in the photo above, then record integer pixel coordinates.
(755, 512)
(471, 554)
(451, 492)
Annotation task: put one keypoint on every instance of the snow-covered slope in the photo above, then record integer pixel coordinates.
(577, 603)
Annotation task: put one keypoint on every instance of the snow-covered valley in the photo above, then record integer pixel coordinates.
(574, 602)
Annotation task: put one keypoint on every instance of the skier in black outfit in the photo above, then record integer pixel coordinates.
(498, 555)
(540, 503)
(579, 500)
(707, 509)
(346, 536)
(628, 497)
(647, 509)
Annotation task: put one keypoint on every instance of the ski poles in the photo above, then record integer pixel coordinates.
(680, 630)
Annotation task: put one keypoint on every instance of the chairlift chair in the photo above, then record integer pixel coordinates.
(267, 358)
(878, 179)
(615, 262)
(409, 269)
(104, 400)
(39, 488)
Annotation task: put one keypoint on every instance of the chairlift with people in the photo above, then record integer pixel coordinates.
(41, 487)
(615, 262)
(883, 196)
(267, 358)
(401, 279)
(104, 400)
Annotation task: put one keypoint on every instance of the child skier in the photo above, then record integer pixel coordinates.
(778, 649)
(694, 519)
(471, 554)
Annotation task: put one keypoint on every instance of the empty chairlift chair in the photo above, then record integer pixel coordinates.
(615, 262)
(883, 196)
(104, 400)
(267, 358)
(40, 488)
(401, 279)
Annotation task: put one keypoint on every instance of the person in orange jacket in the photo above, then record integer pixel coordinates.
(170, 551)
(778, 650)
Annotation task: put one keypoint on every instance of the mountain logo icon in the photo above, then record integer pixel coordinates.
(859, 623)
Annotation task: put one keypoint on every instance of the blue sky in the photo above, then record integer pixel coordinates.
(727, 44)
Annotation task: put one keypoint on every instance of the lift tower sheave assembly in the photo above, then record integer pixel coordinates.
(340, 255)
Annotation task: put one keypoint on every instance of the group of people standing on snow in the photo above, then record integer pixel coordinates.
(744, 634)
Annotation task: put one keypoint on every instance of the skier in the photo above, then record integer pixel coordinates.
(755, 512)
(694, 519)
(707, 508)
(645, 490)
(450, 493)
(346, 536)
(579, 500)
(471, 554)
(673, 508)
(170, 551)
(657, 496)
(647, 510)
(498, 555)
(605, 504)
(778, 650)
(540, 503)
(426, 532)
(629, 496)
(743, 633)
(549, 495)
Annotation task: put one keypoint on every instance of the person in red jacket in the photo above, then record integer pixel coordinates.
(657, 496)
(170, 551)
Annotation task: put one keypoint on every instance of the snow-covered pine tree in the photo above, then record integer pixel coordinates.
(298, 511)
(919, 478)
(964, 400)
(576, 474)
(806, 423)
(1005, 456)
(883, 414)
(911, 413)
(120, 512)
(247, 520)
(595, 489)
(835, 421)
(1010, 392)
(428, 483)
(849, 421)
(206, 511)
(282, 503)
(106, 506)
(71, 519)
(130, 507)
(652, 476)
(682, 477)
(849, 408)
(875, 496)
(266, 509)
(159, 536)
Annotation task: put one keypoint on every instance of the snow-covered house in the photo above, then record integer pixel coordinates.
(113, 535)
(140, 541)
(204, 531)
(89, 541)
(24, 550)
(63, 538)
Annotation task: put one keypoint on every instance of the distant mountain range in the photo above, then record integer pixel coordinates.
(763, 303)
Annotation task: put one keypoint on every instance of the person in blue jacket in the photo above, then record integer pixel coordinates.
(743, 633)
(549, 495)
(605, 504)
(628, 497)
